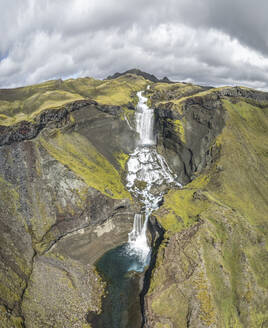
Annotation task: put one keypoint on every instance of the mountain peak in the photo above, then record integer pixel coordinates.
(138, 72)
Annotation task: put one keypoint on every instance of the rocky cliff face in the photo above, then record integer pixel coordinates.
(211, 266)
(63, 202)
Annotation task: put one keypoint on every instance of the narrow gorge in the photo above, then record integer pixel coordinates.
(148, 177)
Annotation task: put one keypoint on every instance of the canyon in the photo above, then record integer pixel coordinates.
(78, 166)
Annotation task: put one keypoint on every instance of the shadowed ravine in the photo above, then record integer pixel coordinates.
(122, 268)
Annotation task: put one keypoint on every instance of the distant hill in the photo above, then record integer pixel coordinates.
(136, 71)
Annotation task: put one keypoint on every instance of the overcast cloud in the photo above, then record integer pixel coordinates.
(212, 42)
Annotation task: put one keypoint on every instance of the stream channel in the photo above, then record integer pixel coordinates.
(122, 268)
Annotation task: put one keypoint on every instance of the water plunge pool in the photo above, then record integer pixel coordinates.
(123, 273)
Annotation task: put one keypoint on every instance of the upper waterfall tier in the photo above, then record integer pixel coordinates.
(145, 164)
(145, 122)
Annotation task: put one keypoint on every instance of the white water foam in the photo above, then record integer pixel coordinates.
(148, 167)
(137, 239)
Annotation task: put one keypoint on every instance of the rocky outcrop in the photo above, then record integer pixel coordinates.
(157, 238)
(174, 92)
(187, 132)
(63, 204)
(64, 282)
(55, 117)
(210, 267)
(181, 261)
(247, 94)
(187, 138)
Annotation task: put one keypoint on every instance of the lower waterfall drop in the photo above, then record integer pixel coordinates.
(137, 239)
(137, 228)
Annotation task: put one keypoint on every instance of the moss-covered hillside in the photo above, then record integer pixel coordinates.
(26, 102)
(63, 201)
(211, 268)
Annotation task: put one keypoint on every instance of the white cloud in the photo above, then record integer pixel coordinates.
(41, 40)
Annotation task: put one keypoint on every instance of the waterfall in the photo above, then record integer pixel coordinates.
(148, 174)
(137, 228)
(145, 122)
(137, 239)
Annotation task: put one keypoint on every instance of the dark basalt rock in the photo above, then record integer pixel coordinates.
(205, 118)
(166, 80)
(243, 92)
(157, 235)
(175, 93)
(27, 130)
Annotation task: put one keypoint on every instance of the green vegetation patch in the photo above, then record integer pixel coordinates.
(179, 129)
(27, 108)
(122, 159)
(244, 161)
(168, 300)
(173, 92)
(182, 207)
(208, 314)
(178, 88)
(26, 102)
(128, 115)
(7, 320)
(231, 200)
(120, 91)
(80, 156)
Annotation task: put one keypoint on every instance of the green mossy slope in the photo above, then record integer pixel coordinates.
(79, 155)
(65, 180)
(216, 239)
(26, 102)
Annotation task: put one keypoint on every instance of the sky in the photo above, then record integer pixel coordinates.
(209, 42)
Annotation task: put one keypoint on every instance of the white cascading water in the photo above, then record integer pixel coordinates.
(144, 122)
(147, 172)
(137, 228)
